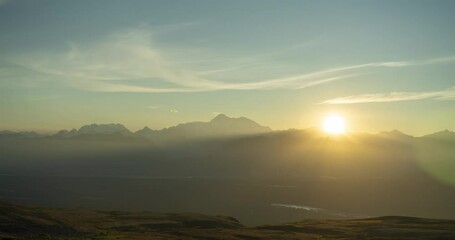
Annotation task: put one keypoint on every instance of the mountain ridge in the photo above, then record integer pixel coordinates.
(219, 126)
(441, 135)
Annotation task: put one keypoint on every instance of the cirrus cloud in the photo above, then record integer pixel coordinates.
(132, 61)
(447, 94)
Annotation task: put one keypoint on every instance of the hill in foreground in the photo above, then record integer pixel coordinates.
(20, 222)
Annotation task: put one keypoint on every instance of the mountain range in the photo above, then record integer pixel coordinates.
(260, 177)
(219, 127)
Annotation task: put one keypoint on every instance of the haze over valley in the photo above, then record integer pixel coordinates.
(230, 120)
(234, 167)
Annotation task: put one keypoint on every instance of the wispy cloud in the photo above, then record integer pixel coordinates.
(447, 94)
(131, 61)
(154, 107)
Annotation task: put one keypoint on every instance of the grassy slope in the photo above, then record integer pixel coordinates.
(20, 222)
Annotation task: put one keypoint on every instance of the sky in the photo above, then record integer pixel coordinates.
(382, 65)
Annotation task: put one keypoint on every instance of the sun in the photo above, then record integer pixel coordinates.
(334, 125)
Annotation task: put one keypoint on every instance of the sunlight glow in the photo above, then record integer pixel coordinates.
(334, 125)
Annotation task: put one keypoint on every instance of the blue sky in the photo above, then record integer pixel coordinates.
(381, 64)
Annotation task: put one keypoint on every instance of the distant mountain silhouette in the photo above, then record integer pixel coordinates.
(395, 134)
(146, 132)
(394, 176)
(104, 129)
(24, 134)
(65, 133)
(220, 126)
(96, 131)
(442, 135)
(223, 124)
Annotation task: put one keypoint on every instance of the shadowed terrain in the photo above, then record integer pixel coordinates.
(262, 178)
(21, 222)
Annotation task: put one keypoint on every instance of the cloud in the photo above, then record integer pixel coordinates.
(153, 107)
(173, 111)
(132, 61)
(447, 94)
(437, 60)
